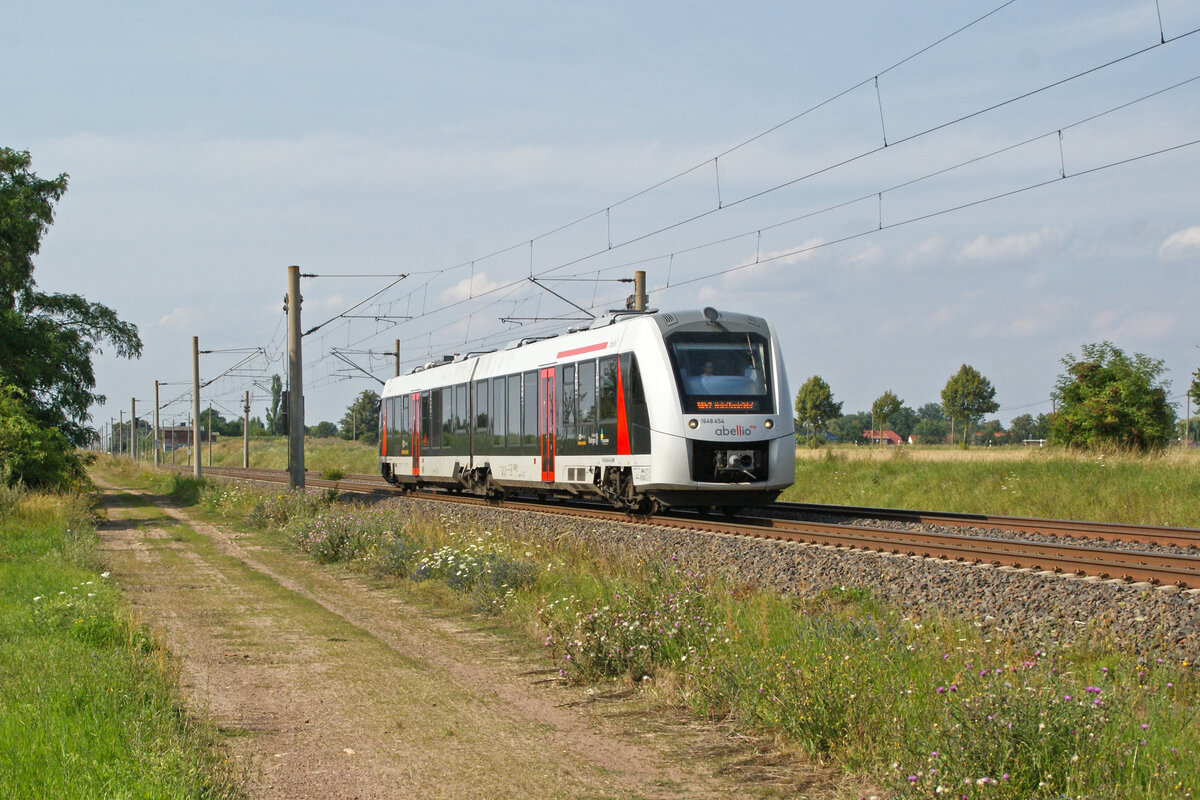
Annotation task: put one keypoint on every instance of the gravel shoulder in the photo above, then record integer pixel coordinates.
(327, 685)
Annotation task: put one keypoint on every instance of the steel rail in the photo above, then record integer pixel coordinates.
(1159, 568)
(1105, 531)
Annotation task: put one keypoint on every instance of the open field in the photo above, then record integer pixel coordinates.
(1033, 482)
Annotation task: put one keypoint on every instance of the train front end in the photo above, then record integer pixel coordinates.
(723, 416)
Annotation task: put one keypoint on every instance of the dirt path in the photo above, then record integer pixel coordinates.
(329, 686)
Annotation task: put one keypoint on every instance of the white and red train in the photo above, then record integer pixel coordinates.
(646, 409)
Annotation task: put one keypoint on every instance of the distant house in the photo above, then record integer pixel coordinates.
(882, 437)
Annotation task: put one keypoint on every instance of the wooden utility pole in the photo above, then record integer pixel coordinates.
(246, 431)
(295, 383)
(196, 407)
(639, 290)
(157, 430)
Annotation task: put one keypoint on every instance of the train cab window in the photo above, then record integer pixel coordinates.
(530, 414)
(514, 410)
(481, 406)
(608, 389)
(587, 402)
(722, 372)
(498, 415)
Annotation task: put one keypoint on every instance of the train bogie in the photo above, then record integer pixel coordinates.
(644, 409)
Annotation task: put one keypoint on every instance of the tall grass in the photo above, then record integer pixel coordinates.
(89, 706)
(1148, 490)
(271, 452)
(926, 709)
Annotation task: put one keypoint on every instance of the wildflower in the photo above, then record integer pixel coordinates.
(104, 574)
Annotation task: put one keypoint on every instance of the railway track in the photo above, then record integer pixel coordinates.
(1071, 547)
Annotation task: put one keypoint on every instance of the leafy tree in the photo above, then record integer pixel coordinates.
(47, 340)
(987, 432)
(849, 428)
(884, 408)
(32, 454)
(815, 406)
(1109, 399)
(323, 430)
(1022, 428)
(904, 421)
(275, 411)
(967, 396)
(361, 421)
(220, 426)
(931, 426)
(932, 412)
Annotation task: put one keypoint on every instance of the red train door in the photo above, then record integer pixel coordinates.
(546, 420)
(416, 433)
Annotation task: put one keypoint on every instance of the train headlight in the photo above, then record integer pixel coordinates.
(769, 424)
(693, 424)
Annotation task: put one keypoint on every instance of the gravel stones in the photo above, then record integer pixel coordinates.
(1041, 608)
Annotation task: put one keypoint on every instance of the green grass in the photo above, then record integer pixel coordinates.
(916, 706)
(1148, 490)
(89, 704)
(271, 452)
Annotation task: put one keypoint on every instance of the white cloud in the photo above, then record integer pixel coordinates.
(182, 319)
(469, 287)
(1181, 245)
(1016, 245)
(928, 251)
(1143, 325)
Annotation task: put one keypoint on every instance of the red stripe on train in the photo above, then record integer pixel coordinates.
(578, 351)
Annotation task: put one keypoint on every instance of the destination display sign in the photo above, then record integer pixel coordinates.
(744, 405)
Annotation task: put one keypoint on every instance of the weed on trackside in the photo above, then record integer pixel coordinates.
(924, 708)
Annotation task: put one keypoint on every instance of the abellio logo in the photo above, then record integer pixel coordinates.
(737, 430)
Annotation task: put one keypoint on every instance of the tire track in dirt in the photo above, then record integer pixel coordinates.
(329, 686)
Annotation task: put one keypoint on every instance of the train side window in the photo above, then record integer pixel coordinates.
(566, 402)
(426, 418)
(498, 416)
(530, 416)
(481, 406)
(587, 401)
(437, 414)
(514, 410)
(462, 414)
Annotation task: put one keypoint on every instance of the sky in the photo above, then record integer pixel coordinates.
(900, 188)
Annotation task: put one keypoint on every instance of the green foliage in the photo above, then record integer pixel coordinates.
(275, 412)
(361, 421)
(323, 430)
(886, 406)
(815, 406)
(1107, 399)
(967, 396)
(47, 340)
(89, 702)
(31, 454)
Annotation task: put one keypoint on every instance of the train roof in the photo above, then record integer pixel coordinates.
(666, 320)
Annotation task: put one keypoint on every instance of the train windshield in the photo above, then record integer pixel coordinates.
(723, 372)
